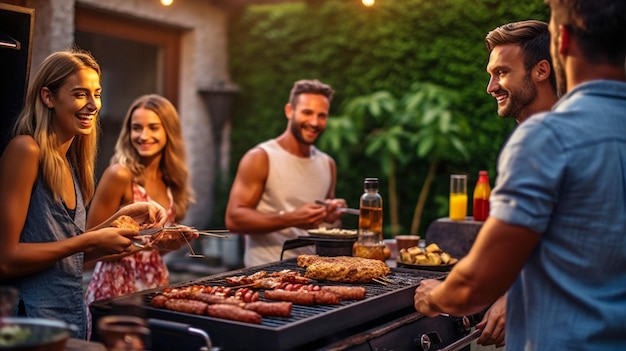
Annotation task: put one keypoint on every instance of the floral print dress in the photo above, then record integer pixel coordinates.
(140, 271)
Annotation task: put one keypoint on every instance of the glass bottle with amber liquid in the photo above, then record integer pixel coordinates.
(370, 242)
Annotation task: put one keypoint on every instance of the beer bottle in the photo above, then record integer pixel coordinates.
(370, 243)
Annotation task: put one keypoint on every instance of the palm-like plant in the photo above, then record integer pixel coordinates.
(439, 136)
(340, 131)
(419, 125)
(385, 139)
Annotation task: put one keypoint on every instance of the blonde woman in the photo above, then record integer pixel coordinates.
(46, 180)
(148, 165)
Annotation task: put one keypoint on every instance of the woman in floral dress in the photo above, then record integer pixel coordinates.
(148, 165)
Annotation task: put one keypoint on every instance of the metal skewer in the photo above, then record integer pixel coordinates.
(212, 230)
(213, 235)
(384, 278)
(191, 250)
(379, 281)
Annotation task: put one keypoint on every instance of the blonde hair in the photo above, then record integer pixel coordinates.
(173, 163)
(36, 120)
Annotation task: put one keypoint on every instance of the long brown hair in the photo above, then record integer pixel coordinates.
(173, 163)
(36, 120)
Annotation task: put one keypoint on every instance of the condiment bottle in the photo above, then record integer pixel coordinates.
(481, 197)
(370, 242)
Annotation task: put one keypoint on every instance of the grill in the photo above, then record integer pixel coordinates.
(309, 327)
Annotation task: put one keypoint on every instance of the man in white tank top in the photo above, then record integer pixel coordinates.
(273, 196)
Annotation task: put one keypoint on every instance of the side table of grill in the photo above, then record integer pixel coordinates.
(454, 237)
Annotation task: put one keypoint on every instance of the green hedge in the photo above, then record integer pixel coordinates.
(360, 50)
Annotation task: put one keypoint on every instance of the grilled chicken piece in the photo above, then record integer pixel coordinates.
(125, 222)
(345, 269)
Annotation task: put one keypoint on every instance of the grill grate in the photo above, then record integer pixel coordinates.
(307, 323)
(401, 279)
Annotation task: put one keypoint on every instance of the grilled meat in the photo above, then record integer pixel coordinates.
(125, 222)
(345, 269)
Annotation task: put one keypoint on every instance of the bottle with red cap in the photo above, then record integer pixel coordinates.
(481, 197)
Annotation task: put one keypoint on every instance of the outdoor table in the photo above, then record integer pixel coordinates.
(453, 237)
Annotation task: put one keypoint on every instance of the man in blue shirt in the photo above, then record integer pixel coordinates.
(522, 81)
(555, 236)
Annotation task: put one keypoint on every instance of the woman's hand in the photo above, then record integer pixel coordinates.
(109, 241)
(147, 214)
(173, 239)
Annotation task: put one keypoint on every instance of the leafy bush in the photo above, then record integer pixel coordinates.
(361, 50)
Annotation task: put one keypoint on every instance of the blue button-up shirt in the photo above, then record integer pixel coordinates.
(563, 175)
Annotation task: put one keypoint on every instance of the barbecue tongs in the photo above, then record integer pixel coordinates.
(181, 230)
(208, 232)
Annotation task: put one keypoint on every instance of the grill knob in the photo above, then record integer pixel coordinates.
(428, 339)
(425, 342)
(463, 325)
(466, 323)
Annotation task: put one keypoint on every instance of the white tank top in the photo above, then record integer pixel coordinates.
(292, 181)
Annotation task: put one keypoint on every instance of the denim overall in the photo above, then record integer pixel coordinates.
(57, 291)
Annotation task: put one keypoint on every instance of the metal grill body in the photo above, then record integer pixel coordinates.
(309, 327)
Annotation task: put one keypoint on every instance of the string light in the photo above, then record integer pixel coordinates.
(368, 3)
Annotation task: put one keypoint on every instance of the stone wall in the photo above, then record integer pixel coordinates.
(203, 63)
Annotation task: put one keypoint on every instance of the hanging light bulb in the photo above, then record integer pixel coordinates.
(167, 2)
(368, 3)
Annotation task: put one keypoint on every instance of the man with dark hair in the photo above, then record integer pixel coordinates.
(274, 194)
(555, 236)
(523, 82)
(520, 67)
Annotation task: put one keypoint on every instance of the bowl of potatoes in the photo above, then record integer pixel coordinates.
(432, 257)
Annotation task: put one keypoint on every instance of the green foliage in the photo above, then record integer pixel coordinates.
(360, 51)
(422, 120)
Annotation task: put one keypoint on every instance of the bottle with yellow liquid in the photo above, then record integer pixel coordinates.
(370, 243)
(458, 197)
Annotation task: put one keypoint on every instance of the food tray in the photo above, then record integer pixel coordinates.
(334, 233)
(427, 267)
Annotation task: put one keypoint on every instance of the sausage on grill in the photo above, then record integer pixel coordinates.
(158, 301)
(297, 297)
(186, 306)
(325, 298)
(267, 309)
(346, 292)
(233, 313)
(246, 295)
(304, 297)
(298, 287)
(213, 299)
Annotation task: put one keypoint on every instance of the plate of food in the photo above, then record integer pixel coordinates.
(323, 232)
(432, 258)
